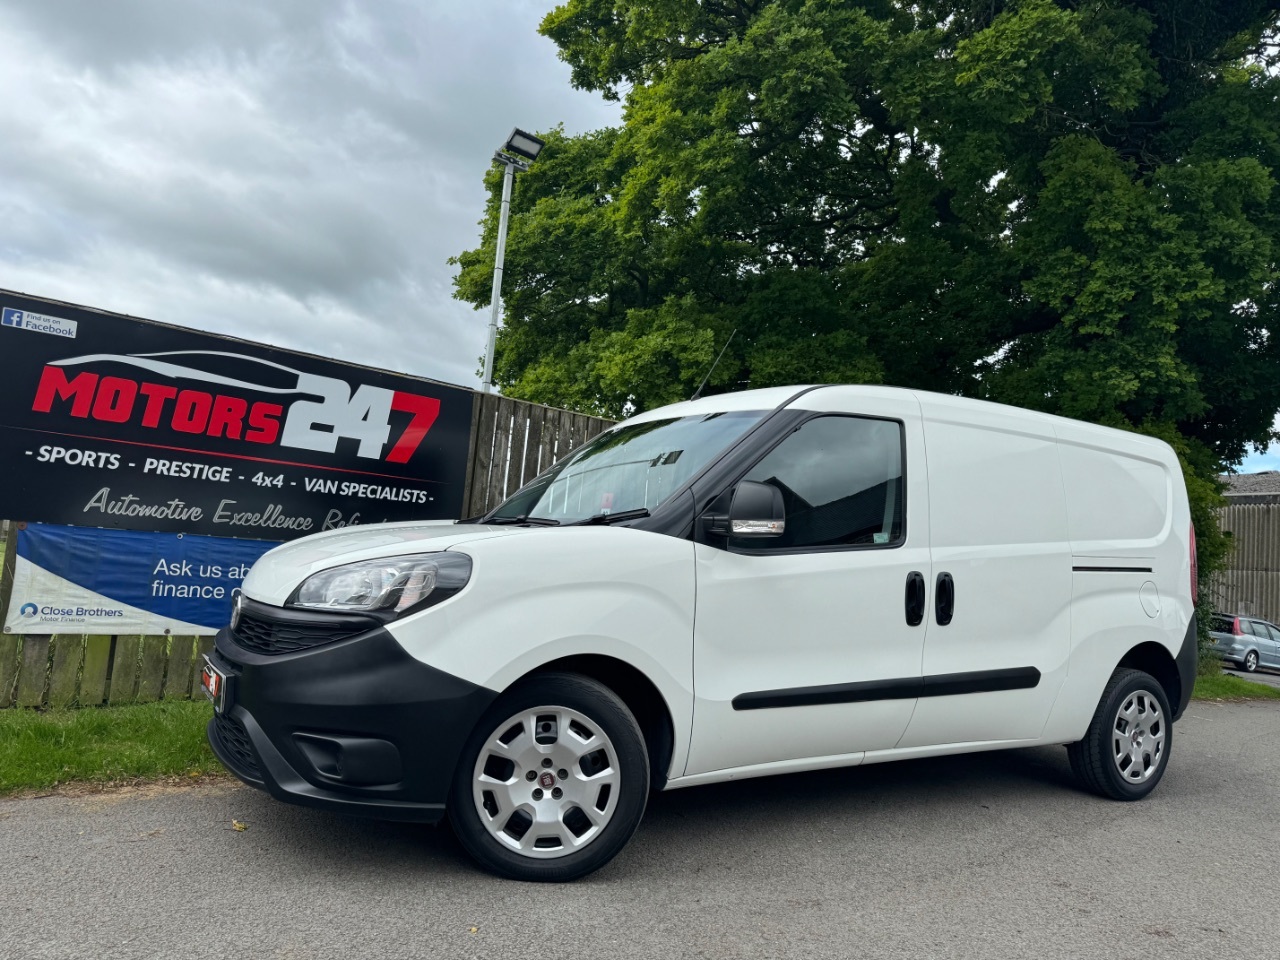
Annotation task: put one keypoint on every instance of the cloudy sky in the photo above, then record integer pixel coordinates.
(294, 171)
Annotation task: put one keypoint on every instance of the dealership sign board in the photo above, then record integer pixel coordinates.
(83, 580)
(111, 421)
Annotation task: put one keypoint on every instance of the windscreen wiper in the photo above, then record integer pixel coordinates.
(525, 518)
(612, 517)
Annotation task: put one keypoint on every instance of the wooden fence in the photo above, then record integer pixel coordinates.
(511, 443)
(68, 670)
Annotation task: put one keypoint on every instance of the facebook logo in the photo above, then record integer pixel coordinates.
(37, 322)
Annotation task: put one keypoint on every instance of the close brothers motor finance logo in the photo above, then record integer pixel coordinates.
(29, 610)
(223, 412)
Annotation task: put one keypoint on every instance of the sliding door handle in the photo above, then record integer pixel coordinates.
(944, 599)
(915, 598)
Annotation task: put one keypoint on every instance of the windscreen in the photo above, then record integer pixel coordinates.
(631, 467)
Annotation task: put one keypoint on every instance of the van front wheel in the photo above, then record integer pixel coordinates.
(1126, 749)
(553, 781)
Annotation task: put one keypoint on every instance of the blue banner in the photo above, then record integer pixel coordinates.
(89, 580)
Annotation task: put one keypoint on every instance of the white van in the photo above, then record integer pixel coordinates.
(756, 583)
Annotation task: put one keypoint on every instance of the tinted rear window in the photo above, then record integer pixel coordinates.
(1222, 624)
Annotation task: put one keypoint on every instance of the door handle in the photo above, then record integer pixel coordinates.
(915, 598)
(944, 599)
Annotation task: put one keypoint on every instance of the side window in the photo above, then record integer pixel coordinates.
(841, 483)
(1254, 628)
(1275, 633)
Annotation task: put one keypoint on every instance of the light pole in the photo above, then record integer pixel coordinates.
(517, 153)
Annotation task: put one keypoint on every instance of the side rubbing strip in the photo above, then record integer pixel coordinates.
(942, 685)
(829, 693)
(1111, 569)
(981, 681)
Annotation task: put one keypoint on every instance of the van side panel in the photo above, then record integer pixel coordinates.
(1129, 526)
(1117, 502)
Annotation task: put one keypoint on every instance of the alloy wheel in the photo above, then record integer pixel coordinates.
(546, 782)
(1138, 737)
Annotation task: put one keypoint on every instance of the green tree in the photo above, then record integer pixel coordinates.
(1069, 205)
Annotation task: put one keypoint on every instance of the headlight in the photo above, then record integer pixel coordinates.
(390, 585)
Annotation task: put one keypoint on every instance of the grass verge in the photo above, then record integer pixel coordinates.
(41, 749)
(1226, 687)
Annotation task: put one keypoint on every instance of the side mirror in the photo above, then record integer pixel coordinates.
(757, 510)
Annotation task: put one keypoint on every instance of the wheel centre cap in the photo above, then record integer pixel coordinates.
(547, 780)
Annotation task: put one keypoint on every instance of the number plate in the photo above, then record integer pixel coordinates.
(214, 684)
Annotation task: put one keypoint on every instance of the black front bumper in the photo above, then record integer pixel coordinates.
(356, 726)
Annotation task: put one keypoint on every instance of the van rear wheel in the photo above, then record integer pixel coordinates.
(1126, 749)
(553, 781)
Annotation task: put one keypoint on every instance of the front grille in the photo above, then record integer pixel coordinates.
(235, 739)
(270, 636)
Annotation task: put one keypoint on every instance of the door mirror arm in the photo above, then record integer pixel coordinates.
(714, 521)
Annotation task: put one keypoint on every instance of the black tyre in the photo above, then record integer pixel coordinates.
(1126, 749)
(1250, 661)
(553, 781)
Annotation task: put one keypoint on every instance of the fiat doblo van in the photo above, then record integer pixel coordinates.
(751, 584)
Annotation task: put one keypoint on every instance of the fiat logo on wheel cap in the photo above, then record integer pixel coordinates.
(548, 779)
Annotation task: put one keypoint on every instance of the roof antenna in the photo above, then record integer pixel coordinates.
(697, 393)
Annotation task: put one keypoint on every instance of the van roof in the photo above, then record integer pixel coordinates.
(770, 398)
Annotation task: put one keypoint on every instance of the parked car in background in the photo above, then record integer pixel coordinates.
(1245, 642)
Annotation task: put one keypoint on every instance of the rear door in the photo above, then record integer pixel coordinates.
(1256, 638)
(802, 647)
(1271, 656)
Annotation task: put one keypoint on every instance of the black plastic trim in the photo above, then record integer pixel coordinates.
(915, 598)
(1188, 661)
(908, 688)
(337, 626)
(944, 599)
(981, 681)
(1110, 569)
(366, 688)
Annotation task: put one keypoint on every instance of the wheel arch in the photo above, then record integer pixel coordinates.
(638, 692)
(1153, 658)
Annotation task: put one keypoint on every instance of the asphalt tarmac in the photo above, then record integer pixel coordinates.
(987, 855)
